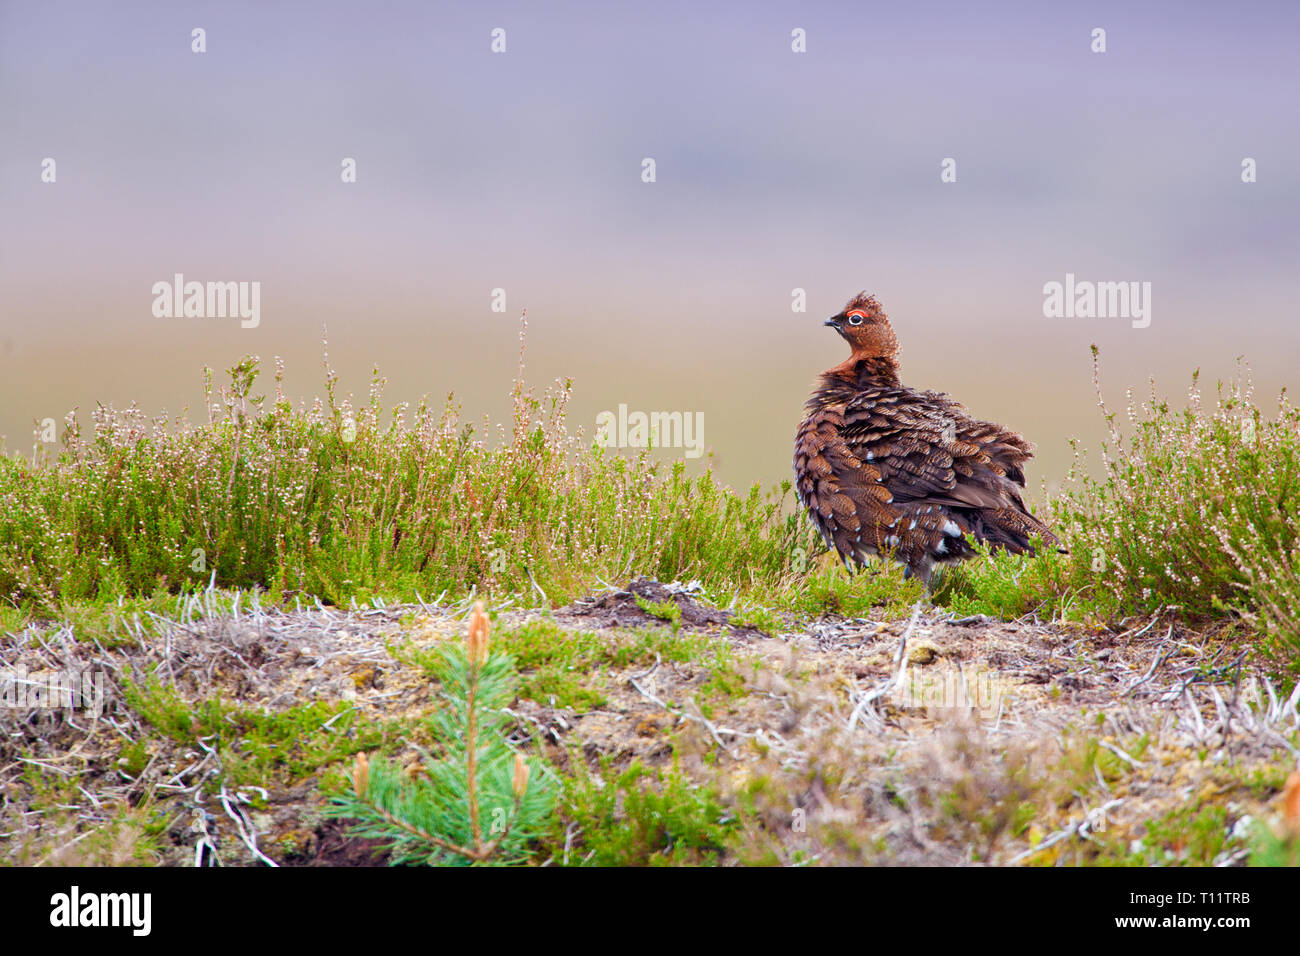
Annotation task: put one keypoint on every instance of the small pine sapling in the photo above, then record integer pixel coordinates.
(478, 801)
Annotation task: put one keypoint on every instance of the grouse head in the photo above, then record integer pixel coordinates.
(864, 325)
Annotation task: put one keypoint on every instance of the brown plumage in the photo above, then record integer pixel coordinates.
(886, 470)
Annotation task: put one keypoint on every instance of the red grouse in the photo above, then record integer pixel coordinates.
(886, 470)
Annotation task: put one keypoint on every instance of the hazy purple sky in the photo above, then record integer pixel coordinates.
(522, 171)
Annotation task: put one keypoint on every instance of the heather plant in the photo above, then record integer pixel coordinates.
(645, 816)
(476, 799)
(339, 500)
(1190, 504)
(1194, 513)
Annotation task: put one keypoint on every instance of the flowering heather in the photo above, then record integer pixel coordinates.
(1196, 505)
(1194, 513)
(337, 500)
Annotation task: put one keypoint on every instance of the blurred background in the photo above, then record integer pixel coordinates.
(521, 170)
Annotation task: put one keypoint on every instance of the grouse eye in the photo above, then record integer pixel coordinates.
(855, 318)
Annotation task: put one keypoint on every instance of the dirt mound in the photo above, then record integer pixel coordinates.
(619, 608)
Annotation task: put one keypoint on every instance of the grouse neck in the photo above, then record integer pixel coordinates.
(863, 371)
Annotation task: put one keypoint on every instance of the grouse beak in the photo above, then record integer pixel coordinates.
(835, 323)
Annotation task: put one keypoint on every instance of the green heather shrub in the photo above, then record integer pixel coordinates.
(1193, 503)
(341, 501)
(1195, 512)
(643, 816)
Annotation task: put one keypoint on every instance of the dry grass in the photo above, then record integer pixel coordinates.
(1002, 742)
